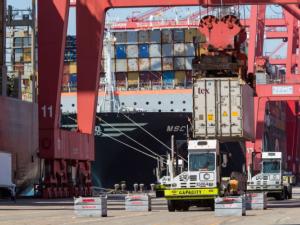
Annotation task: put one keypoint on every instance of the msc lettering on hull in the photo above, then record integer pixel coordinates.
(176, 128)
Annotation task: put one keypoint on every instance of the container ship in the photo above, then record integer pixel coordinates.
(145, 97)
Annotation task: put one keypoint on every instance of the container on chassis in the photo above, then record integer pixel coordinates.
(223, 109)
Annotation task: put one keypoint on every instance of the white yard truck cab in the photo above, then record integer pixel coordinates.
(270, 179)
(200, 184)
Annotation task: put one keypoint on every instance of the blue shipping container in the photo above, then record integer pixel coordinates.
(144, 51)
(73, 79)
(121, 51)
(168, 78)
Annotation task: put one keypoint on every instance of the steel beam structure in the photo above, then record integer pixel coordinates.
(57, 146)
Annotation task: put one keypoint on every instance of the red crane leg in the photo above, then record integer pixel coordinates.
(291, 50)
(90, 29)
(259, 112)
(291, 122)
(256, 30)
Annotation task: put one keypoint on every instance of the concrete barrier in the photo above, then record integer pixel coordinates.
(90, 206)
(256, 201)
(230, 206)
(138, 202)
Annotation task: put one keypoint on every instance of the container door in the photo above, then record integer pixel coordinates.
(155, 64)
(133, 80)
(155, 36)
(168, 79)
(167, 36)
(205, 117)
(121, 65)
(133, 65)
(143, 36)
(132, 37)
(236, 109)
(144, 51)
(144, 64)
(121, 51)
(179, 35)
(167, 50)
(167, 63)
(224, 112)
(180, 78)
(155, 50)
(121, 37)
(132, 51)
(179, 63)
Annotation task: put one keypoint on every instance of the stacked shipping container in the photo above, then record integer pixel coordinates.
(145, 59)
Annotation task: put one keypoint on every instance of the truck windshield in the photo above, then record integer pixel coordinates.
(271, 167)
(203, 161)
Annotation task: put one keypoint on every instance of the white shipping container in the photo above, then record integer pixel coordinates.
(121, 65)
(155, 64)
(144, 64)
(132, 51)
(179, 49)
(6, 169)
(223, 108)
(133, 65)
(155, 50)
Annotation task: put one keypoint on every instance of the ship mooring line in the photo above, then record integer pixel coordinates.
(128, 137)
(152, 135)
(136, 149)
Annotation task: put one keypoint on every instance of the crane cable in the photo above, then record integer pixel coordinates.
(101, 120)
(152, 136)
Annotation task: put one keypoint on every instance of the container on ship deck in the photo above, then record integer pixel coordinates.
(179, 63)
(155, 50)
(132, 37)
(223, 109)
(167, 50)
(180, 77)
(144, 64)
(132, 51)
(189, 49)
(155, 64)
(143, 36)
(65, 80)
(166, 36)
(133, 79)
(72, 67)
(121, 80)
(121, 37)
(121, 65)
(168, 78)
(144, 51)
(178, 35)
(188, 63)
(190, 34)
(73, 79)
(155, 36)
(133, 65)
(179, 49)
(150, 80)
(167, 63)
(121, 51)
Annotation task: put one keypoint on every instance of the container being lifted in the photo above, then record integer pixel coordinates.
(223, 109)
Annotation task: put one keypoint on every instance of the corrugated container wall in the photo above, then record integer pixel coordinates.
(223, 109)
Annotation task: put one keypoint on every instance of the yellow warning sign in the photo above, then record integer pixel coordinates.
(225, 113)
(235, 114)
(210, 117)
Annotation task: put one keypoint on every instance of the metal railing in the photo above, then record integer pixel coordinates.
(138, 86)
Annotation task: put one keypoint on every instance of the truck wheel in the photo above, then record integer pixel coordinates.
(171, 206)
(212, 205)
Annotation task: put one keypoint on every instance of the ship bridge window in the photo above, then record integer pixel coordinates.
(172, 110)
(122, 103)
(184, 110)
(159, 102)
(159, 110)
(183, 102)
(147, 103)
(73, 105)
(171, 102)
(134, 103)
